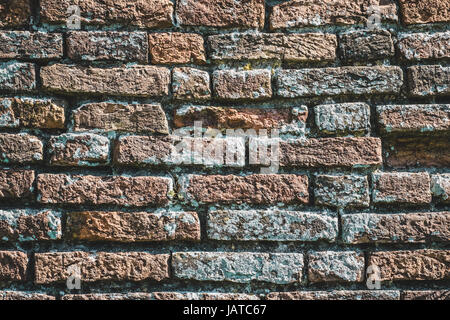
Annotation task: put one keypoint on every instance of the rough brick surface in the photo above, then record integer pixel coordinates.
(13, 265)
(440, 187)
(30, 45)
(424, 46)
(363, 45)
(162, 296)
(238, 85)
(176, 48)
(23, 296)
(343, 118)
(190, 84)
(427, 80)
(329, 266)
(426, 295)
(16, 184)
(425, 11)
(336, 295)
(17, 76)
(20, 148)
(342, 191)
(14, 13)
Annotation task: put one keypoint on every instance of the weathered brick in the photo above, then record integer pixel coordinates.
(330, 266)
(440, 186)
(424, 264)
(15, 13)
(20, 148)
(342, 191)
(133, 226)
(366, 45)
(425, 11)
(17, 76)
(428, 80)
(240, 267)
(101, 266)
(336, 295)
(300, 13)
(424, 46)
(135, 296)
(329, 152)
(414, 118)
(144, 14)
(190, 84)
(401, 188)
(30, 225)
(221, 13)
(291, 47)
(112, 116)
(79, 149)
(22, 296)
(395, 228)
(16, 184)
(343, 118)
(254, 189)
(176, 48)
(161, 296)
(271, 225)
(30, 45)
(426, 295)
(107, 45)
(13, 266)
(113, 190)
(339, 81)
(238, 85)
(137, 80)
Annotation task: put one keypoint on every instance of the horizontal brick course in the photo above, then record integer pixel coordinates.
(241, 85)
(23, 296)
(162, 296)
(13, 265)
(20, 148)
(16, 184)
(336, 295)
(426, 295)
(30, 45)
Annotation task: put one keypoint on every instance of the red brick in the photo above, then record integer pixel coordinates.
(428, 80)
(16, 184)
(336, 295)
(239, 85)
(17, 76)
(190, 84)
(176, 48)
(23, 296)
(366, 45)
(426, 295)
(424, 46)
(20, 148)
(14, 13)
(13, 266)
(425, 11)
(30, 45)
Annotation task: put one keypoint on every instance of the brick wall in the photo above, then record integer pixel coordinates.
(88, 122)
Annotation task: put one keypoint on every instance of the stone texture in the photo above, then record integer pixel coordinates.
(17, 76)
(112, 116)
(20, 148)
(133, 226)
(396, 228)
(134, 296)
(440, 187)
(270, 225)
(304, 47)
(329, 152)
(112, 190)
(240, 267)
(190, 84)
(426, 295)
(238, 85)
(16, 184)
(339, 81)
(107, 45)
(424, 46)
(176, 48)
(14, 13)
(13, 266)
(336, 295)
(221, 13)
(329, 266)
(139, 13)
(425, 11)
(426, 264)
(23, 296)
(162, 296)
(401, 188)
(101, 266)
(79, 149)
(30, 45)
(342, 191)
(343, 118)
(137, 80)
(428, 80)
(30, 225)
(252, 189)
(366, 45)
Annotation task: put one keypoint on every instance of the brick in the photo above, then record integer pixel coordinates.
(426, 295)
(241, 267)
(113, 190)
(395, 228)
(328, 152)
(428, 80)
(427, 118)
(304, 47)
(412, 265)
(336, 295)
(401, 188)
(270, 225)
(298, 13)
(339, 81)
(29, 225)
(221, 13)
(23, 296)
(15, 13)
(20, 148)
(17, 76)
(101, 266)
(112, 116)
(366, 45)
(329, 266)
(425, 11)
(161, 296)
(191, 84)
(133, 226)
(107, 45)
(135, 296)
(143, 14)
(16, 184)
(343, 118)
(440, 187)
(252, 189)
(176, 48)
(239, 85)
(424, 46)
(13, 266)
(30, 45)
(138, 80)
(342, 191)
